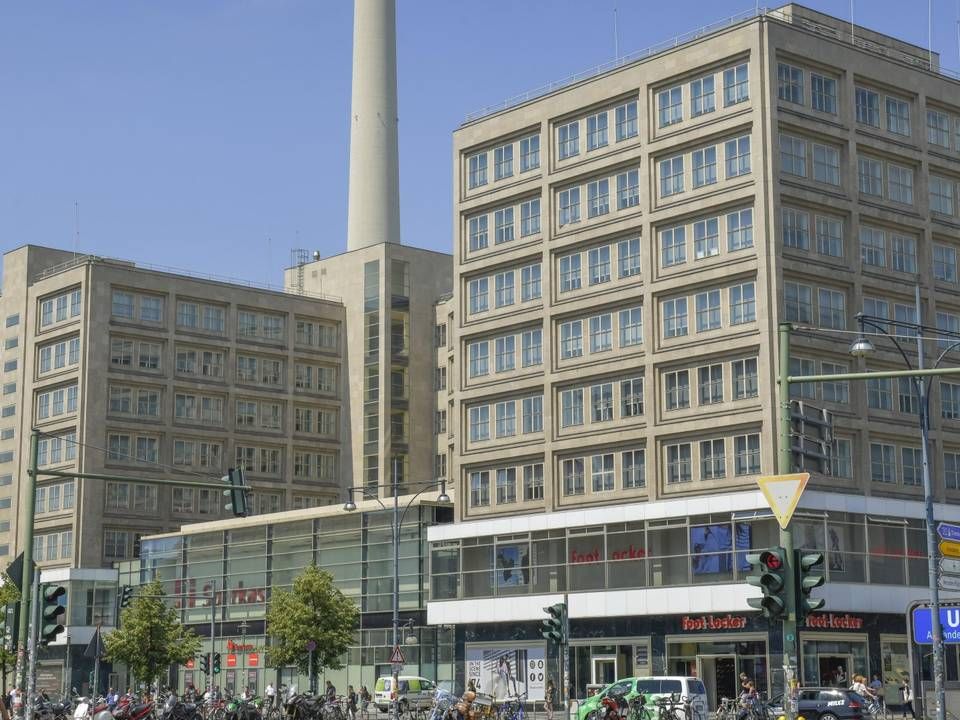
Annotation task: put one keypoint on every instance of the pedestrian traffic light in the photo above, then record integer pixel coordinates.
(216, 663)
(808, 577)
(50, 612)
(238, 492)
(770, 566)
(126, 595)
(554, 627)
(205, 664)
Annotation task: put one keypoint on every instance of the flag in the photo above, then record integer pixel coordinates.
(95, 647)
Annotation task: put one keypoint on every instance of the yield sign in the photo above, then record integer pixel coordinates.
(396, 657)
(783, 493)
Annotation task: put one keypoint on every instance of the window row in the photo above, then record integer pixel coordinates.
(526, 150)
(601, 402)
(53, 546)
(505, 420)
(139, 307)
(316, 334)
(57, 449)
(677, 173)
(59, 355)
(133, 401)
(55, 497)
(943, 129)
(708, 459)
(829, 311)
(714, 383)
(57, 402)
(321, 466)
(735, 227)
(621, 329)
(711, 311)
(136, 497)
(529, 477)
(60, 308)
(505, 286)
(795, 229)
(792, 88)
(596, 130)
(596, 193)
(806, 158)
(702, 95)
(530, 343)
(881, 180)
(599, 265)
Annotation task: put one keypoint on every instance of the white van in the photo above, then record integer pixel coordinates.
(415, 692)
(690, 687)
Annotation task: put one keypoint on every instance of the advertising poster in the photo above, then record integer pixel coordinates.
(504, 671)
(711, 547)
(513, 566)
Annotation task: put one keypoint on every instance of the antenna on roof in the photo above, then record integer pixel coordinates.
(852, 35)
(616, 36)
(300, 257)
(930, 33)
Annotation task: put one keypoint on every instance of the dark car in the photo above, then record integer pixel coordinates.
(825, 704)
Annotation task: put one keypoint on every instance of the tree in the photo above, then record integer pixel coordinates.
(9, 597)
(316, 610)
(150, 638)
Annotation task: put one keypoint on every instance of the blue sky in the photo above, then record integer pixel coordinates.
(213, 136)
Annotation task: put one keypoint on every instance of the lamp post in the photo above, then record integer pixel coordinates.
(243, 654)
(398, 516)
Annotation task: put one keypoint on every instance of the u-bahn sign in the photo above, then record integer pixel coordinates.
(949, 625)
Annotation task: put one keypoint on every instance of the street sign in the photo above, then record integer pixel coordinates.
(951, 567)
(949, 624)
(396, 657)
(948, 548)
(783, 493)
(949, 531)
(311, 645)
(949, 582)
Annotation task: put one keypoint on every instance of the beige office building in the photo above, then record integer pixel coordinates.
(625, 248)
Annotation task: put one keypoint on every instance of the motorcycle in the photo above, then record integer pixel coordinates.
(444, 703)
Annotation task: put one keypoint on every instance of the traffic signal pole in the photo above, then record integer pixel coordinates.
(784, 466)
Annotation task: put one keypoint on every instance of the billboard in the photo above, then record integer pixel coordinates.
(711, 546)
(508, 670)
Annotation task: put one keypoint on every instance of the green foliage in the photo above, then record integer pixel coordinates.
(314, 610)
(8, 591)
(150, 637)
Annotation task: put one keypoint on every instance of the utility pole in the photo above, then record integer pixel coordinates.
(28, 506)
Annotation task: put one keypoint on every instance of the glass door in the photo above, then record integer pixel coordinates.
(835, 669)
(604, 669)
(719, 675)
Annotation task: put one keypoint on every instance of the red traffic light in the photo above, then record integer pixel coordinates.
(772, 560)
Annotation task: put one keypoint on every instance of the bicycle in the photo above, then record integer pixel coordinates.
(727, 710)
(512, 708)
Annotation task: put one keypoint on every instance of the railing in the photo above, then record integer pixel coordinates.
(674, 42)
(130, 265)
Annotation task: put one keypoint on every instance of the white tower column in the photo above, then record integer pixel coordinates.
(374, 205)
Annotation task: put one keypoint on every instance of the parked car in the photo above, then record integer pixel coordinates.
(652, 688)
(415, 692)
(825, 704)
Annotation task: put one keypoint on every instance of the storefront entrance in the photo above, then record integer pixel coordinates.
(719, 675)
(835, 670)
(831, 660)
(604, 669)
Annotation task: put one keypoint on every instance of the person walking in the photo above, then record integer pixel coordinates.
(330, 692)
(270, 692)
(351, 703)
(549, 698)
(906, 694)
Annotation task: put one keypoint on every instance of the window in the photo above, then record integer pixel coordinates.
(151, 308)
(793, 155)
(677, 389)
(702, 96)
(907, 397)
(735, 87)
(678, 463)
(188, 315)
(506, 422)
(502, 162)
(571, 407)
(479, 359)
(601, 402)
(533, 482)
(870, 174)
(478, 233)
(904, 253)
(743, 305)
(598, 198)
(737, 153)
(829, 236)
(570, 273)
(823, 93)
(938, 128)
(122, 306)
(740, 230)
(710, 384)
(477, 170)
(898, 116)
(569, 206)
(941, 195)
(838, 391)
(673, 246)
(706, 238)
(713, 461)
(505, 353)
(571, 339)
(868, 107)
(597, 131)
(529, 153)
(506, 486)
(479, 423)
(945, 263)
(747, 454)
(631, 397)
(675, 317)
(480, 488)
(530, 217)
(531, 352)
(704, 167)
(832, 309)
(826, 164)
(572, 471)
(879, 394)
(671, 176)
(628, 257)
(568, 138)
(599, 264)
(873, 247)
(503, 294)
(12, 320)
(478, 295)
(601, 333)
(744, 378)
(670, 106)
(708, 310)
(530, 283)
(533, 414)
(951, 470)
(503, 221)
(631, 327)
(628, 189)
(601, 472)
(633, 464)
(949, 400)
(790, 83)
(900, 184)
(626, 121)
(883, 463)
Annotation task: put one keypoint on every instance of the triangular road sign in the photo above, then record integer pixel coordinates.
(783, 493)
(396, 657)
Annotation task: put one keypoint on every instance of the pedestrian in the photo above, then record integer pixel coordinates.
(351, 703)
(876, 686)
(364, 699)
(270, 693)
(330, 692)
(744, 680)
(840, 677)
(906, 694)
(549, 697)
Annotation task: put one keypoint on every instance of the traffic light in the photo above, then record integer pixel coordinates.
(126, 595)
(205, 664)
(238, 493)
(808, 578)
(554, 627)
(771, 566)
(216, 663)
(51, 610)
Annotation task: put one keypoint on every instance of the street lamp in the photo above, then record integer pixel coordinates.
(862, 348)
(350, 506)
(243, 645)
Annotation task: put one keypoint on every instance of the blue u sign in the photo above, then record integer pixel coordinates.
(949, 624)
